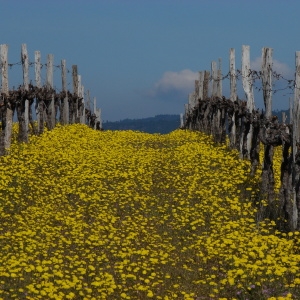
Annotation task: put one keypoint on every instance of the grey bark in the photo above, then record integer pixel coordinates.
(233, 98)
(50, 106)
(75, 92)
(40, 105)
(6, 108)
(248, 88)
(64, 113)
(23, 104)
(268, 181)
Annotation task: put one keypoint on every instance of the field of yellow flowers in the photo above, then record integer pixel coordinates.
(86, 214)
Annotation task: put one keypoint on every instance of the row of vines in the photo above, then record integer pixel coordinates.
(249, 129)
(42, 102)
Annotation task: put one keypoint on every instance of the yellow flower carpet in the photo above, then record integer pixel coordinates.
(88, 214)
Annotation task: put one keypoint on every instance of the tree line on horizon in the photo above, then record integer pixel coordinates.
(158, 124)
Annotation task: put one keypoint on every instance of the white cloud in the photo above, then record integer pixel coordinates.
(279, 67)
(183, 81)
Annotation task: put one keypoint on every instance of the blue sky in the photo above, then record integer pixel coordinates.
(140, 58)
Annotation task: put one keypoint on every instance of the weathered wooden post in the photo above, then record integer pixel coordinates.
(248, 88)
(267, 64)
(65, 104)
(233, 97)
(207, 113)
(82, 110)
(201, 85)
(216, 128)
(268, 181)
(197, 83)
(49, 85)
(88, 107)
(79, 101)
(181, 120)
(219, 79)
(23, 115)
(75, 92)
(193, 99)
(285, 209)
(214, 75)
(191, 103)
(186, 115)
(222, 110)
(206, 84)
(40, 106)
(6, 110)
(88, 100)
(95, 111)
(200, 98)
(37, 68)
(295, 209)
(196, 106)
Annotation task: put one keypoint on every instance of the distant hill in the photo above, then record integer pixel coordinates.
(158, 124)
